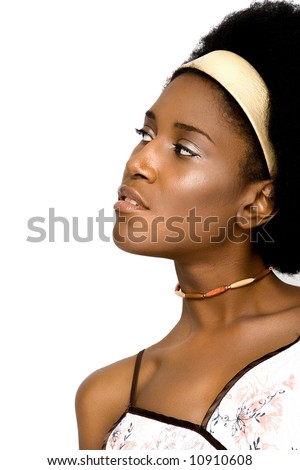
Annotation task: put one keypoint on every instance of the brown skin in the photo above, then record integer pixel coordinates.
(217, 337)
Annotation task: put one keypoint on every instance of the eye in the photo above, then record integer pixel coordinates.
(146, 137)
(184, 151)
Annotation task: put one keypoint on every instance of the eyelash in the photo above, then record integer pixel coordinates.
(177, 147)
(142, 133)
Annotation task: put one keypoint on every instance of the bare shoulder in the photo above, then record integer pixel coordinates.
(100, 401)
(287, 306)
(292, 298)
(295, 294)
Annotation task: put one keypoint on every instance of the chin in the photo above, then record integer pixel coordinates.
(144, 241)
(142, 248)
(147, 248)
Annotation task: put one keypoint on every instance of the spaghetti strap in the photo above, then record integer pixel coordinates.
(135, 376)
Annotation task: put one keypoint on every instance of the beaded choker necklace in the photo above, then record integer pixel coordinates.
(222, 289)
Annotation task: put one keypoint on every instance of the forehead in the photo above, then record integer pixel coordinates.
(193, 98)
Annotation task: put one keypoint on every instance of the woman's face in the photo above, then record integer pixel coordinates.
(181, 187)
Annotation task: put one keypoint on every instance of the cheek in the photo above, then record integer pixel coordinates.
(209, 195)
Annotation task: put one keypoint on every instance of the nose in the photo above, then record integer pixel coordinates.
(141, 165)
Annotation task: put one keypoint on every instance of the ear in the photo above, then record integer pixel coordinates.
(257, 206)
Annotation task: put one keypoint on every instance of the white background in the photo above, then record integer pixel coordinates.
(76, 79)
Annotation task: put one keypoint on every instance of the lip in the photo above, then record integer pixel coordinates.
(127, 206)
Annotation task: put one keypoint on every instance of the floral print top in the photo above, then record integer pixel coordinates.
(259, 409)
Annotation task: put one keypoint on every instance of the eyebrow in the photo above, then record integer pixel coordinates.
(181, 125)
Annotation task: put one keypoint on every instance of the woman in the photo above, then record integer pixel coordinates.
(213, 185)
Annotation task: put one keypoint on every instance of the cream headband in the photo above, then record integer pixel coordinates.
(246, 86)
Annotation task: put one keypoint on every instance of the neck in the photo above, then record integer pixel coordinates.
(225, 308)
